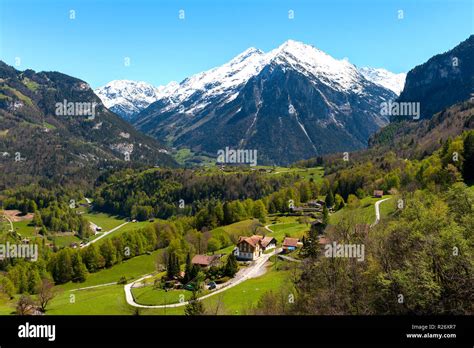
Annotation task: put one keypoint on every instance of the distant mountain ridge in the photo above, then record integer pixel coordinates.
(291, 103)
(127, 98)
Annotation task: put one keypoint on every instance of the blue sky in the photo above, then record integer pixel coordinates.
(162, 47)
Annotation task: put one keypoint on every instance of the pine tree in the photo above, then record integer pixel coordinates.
(325, 215)
(188, 269)
(329, 199)
(173, 266)
(231, 266)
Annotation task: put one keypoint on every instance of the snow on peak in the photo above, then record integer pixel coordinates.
(307, 59)
(128, 97)
(385, 78)
(223, 78)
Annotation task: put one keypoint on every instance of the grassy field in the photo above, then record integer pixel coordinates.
(108, 222)
(146, 295)
(365, 213)
(290, 229)
(316, 173)
(103, 220)
(63, 241)
(24, 228)
(107, 300)
(131, 269)
(133, 226)
(240, 298)
(7, 306)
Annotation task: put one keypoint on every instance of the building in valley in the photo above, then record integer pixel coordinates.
(206, 261)
(251, 248)
(290, 244)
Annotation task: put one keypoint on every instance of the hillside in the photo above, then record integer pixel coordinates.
(53, 126)
(444, 80)
(417, 139)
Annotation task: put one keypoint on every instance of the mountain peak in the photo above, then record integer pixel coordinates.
(252, 51)
(310, 61)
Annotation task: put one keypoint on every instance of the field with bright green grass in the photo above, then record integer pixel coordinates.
(291, 229)
(106, 300)
(241, 228)
(128, 227)
(133, 226)
(103, 220)
(238, 299)
(7, 306)
(316, 173)
(186, 156)
(365, 213)
(133, 268)
(64, 241)
(24, 228)
(146, 295)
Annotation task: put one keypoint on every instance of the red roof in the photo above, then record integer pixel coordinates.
(253, 240)
(204, 260)
(290, 242)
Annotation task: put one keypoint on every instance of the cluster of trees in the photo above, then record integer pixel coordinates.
(300, 192)
(453, 162)
(51, 208)
(73, 265)
(45, 292)
(23, 277)
(59, 217)
(419, 262)
(165, 193)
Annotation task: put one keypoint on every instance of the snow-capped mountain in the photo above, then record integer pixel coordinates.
(127, 98)
(385, 78)
(291, 103)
